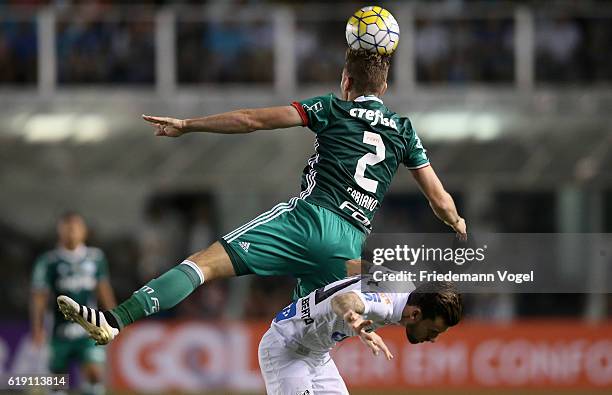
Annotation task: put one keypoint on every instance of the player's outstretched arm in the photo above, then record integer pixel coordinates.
(37, 315)
(441, 202)
(350, 307)
(233, 122)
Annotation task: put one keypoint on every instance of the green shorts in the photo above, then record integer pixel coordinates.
(296, 238)
(62, 352)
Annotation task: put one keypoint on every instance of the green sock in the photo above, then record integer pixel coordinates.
(161, 293)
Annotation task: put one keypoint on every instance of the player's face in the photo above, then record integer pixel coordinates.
(72, 232)
(425, 330)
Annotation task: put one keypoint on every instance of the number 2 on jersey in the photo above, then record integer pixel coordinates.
(369, 159)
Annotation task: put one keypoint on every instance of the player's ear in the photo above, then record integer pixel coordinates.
(347, 84)
(413, 314)
(416, 314)
(384, 89)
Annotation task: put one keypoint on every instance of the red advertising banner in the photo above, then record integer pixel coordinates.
(195, 355)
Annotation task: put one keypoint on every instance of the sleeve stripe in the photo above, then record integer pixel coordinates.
(419, 166)
(301, 111)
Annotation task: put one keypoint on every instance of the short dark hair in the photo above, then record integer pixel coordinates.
(368, 70)
(438, 299)
(68, 215)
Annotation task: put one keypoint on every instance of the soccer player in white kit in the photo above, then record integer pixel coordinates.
(294, 353)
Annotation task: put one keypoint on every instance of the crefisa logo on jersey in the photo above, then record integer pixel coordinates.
(375, 117)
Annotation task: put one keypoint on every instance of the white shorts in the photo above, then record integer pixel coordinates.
(287, 373)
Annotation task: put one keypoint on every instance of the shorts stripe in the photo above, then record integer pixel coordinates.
(259, 217)
(293, 203)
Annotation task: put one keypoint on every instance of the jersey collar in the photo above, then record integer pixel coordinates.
(75, 255)
(367, 98)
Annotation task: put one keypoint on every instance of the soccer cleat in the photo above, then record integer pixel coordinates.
(93, 321)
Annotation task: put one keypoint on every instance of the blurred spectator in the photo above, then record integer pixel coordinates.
(431, 49)
(573, 50)
(320, 54)
(18, 52)
(557, 43)
(110, 50)
(464, 50)
(230, 50)
(495, 38)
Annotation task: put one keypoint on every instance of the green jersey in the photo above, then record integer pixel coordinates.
(75, 274)
(358, 148)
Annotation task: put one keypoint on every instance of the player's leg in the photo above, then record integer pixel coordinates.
(60, 354)
(327, 380)
(283, 371)
(161, 293)
(167, 290)
(92, 359)
(93, 379)
(271, 234)
(273, 241)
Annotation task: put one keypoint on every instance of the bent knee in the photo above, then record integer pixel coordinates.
(214, 262)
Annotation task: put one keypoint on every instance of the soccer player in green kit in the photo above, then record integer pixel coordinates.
(359, 146)
(81, 272)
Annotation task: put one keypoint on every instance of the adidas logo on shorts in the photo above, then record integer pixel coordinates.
(244, 245)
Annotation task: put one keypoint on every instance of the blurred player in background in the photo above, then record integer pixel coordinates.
(359, 146)
(294, 354)
(81, 272)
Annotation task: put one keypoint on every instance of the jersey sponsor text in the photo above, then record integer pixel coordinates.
(375, 117)
(306, 311)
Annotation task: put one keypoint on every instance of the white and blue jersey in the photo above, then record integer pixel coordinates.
(311, 323)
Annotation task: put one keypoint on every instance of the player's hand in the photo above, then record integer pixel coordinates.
(370, 339)
(165, 126)
(353, 267)
(356, 321)
(461, 228)
(375, 343)
(357, 266)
